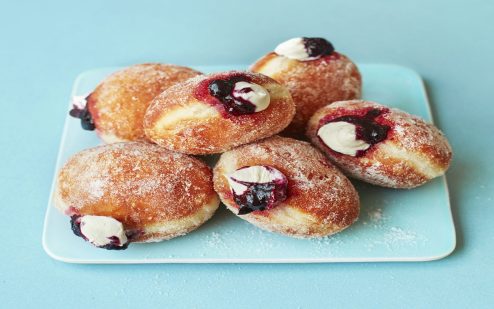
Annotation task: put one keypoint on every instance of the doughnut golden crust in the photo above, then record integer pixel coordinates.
(118, 104)
(189, 119)
(155, 193)
(410, 151)
(312, 84)
(320, 200)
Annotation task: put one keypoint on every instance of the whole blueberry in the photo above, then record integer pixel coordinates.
(220, 88)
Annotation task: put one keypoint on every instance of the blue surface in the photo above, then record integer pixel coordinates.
(394, 225)
(44, 45)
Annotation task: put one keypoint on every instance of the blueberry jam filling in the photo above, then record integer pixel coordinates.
(368, 130)
(317, 47)
(223, 91)
(75, 224)
(83, 113)
(260, 196)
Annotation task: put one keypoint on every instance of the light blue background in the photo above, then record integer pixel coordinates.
(44, 45)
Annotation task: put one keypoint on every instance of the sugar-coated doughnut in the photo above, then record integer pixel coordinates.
(214, 113)
(117, 106)
(134, 192)
(315, 75)
(286, 186)
(381, 145)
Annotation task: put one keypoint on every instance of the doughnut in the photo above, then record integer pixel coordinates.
(286, 186)
(380, 145)
(214, 113)
(134, 192)
(116, 107)
(314, 73)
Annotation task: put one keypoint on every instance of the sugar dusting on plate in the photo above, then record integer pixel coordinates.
(374, 230)
(391, 237)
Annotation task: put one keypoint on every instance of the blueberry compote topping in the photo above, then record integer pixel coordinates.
(367, 129)
(80, 110)
(318, 47)
(223, 91)
(114, 244)
(262, 195)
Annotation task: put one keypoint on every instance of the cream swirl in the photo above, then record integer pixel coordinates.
(304, 49)
(102, 230)
(257, 188)
(252, 93)
(341, 136)
(293, 49)
(253, 174)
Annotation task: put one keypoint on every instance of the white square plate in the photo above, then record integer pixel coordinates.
(394, 225)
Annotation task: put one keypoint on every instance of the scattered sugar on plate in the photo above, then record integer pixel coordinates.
(396, 234)
(328, 244)
(215, 240)
(262, 239)
(376, 216)
(390, 237)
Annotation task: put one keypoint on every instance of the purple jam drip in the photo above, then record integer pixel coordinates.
(368, 130)
(87, 122)
(317, 47)
(260, 196)
(223, 91)
(75, 224)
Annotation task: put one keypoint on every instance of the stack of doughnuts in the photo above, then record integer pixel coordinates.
(150, 182)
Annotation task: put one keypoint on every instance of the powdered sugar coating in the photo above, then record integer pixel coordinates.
(321, 200)
(187, 119)
(312, 84)
(144, 186)
(413, 152)
(119, 102)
